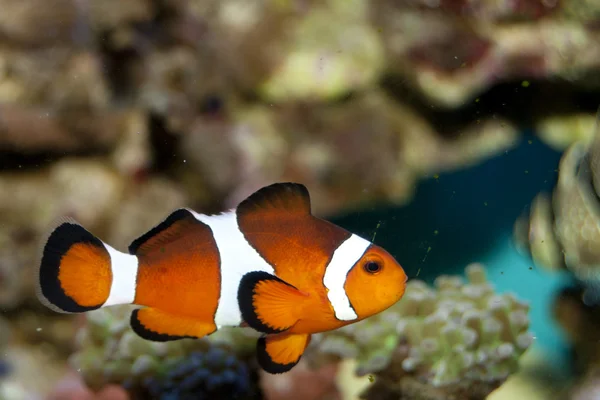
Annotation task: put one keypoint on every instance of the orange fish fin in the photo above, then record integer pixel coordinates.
(179, 222)
(158, 326)
(74, 274)
(269, 304)
(277, 354)
(288, 197)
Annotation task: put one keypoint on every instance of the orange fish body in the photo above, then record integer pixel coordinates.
(269, 264)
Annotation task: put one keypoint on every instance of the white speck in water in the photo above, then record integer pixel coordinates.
(39, 329)
(184, 160)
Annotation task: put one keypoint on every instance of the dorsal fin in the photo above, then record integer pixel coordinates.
(170, 229)
(287, 197)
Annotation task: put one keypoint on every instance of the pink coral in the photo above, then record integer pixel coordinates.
(71, 387)
(302, 383)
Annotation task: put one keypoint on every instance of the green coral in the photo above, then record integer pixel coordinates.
(455, 333)
(110, 352)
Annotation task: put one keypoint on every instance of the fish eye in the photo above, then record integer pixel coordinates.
(372, 267)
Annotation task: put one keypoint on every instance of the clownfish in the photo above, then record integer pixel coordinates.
(268, 264)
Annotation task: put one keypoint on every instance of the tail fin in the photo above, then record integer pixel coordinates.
(77, 273)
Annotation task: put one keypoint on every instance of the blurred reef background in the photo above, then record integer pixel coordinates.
(458, 134)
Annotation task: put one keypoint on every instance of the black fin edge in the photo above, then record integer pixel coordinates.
(149, 334)
(177, 215)
(245, 294)
(264, 193)
(265, 361)
(49, 291)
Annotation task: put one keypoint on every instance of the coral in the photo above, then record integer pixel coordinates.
(5, 335)
(13, 281)
(22, 21)
(32, 130)
(303, 383)
(110, 352)
(45, 329)
(336, 45)
(462, 53)
(132, 154)
(68, 22)
(171, 103)
(96, 194)
(72, 387)
(268, 47)
(71, 79)
(143, 205)
(578, 318)
(581, 10)
(115, 15)
(367, 149)
(41, 362)
(33, 200)
(214, 374)
(171, 87)
(445, 340)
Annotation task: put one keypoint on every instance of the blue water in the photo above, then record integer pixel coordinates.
(468, 216)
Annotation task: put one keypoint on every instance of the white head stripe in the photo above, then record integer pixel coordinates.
(124, 269)
(344, 258)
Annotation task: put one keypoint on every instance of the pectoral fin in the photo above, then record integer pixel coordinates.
(152, 324)
(269, 304)
(280, 353)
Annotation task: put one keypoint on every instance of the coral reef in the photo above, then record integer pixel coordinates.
(579, 320)
(303, 383)
(214, 374)
(581, 325)
(457, 339)
(71, 387)
(367, 150)
(41, 361)
(115, 113)
(337, 45)
(110, 352)
(4, 340)
(91, 191)
(491, 50)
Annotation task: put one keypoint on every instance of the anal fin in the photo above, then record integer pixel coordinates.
(277, 354)
(158, 326)
(269, 304)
